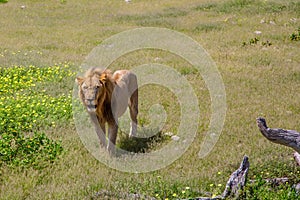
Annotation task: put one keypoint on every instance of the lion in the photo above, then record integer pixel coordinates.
(106, 97)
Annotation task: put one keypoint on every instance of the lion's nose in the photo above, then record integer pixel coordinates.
(90, 100)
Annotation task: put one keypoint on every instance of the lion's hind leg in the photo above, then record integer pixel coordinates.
(133, 109)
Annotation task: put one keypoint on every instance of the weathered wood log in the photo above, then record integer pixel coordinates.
(208, 198)
(235, 183)
(274, 182)
(297, 187)
(234, 186)
(105, 194)
(289, 138)
(277, 181)
(237, 180)
(297, 157)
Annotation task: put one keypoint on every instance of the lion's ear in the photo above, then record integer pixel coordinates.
(103, 78)
(79, 80)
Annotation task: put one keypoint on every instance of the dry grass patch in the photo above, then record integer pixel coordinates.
(260, 80)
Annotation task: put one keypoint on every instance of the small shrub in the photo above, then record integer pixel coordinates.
(255, 41)
(295, 36)
(252, 41)
(266, 43)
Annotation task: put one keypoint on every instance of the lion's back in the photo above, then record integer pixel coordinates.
(126, 77)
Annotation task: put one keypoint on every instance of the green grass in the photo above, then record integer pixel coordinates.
(260, 80)
(207, 27)
(260, 189)
(26, 108)
(250, 6)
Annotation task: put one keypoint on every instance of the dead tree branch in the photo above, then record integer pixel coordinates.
(237, 179)
(289, 138)
(297, 157)
(235, 183)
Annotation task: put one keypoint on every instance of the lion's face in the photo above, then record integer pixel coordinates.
(90, 89)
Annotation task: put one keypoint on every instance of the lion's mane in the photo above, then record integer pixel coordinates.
(104, 108)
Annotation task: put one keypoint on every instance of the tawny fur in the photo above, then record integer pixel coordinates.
(106, 97)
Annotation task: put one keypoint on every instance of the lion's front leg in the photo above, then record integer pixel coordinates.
(102, 135)
(100, 129)
(112, 136)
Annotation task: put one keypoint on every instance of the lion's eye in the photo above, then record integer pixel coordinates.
(85, 87)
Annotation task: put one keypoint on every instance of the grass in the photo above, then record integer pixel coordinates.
(260, 80)
(250, 6)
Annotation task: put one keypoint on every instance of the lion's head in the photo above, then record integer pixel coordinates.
(95, 89)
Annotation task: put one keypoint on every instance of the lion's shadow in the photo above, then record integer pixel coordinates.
(142, 143)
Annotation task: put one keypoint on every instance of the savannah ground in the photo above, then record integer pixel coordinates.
(262, 78)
